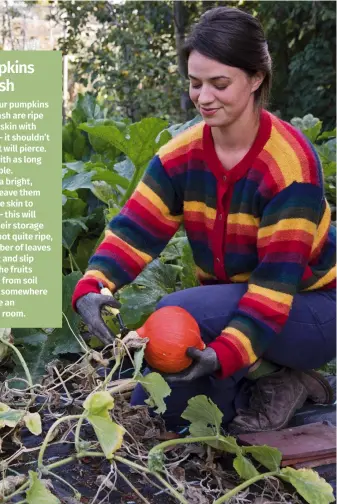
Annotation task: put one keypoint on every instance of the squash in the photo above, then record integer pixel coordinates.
(171, 330)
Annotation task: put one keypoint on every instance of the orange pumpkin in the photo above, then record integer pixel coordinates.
(171, 330)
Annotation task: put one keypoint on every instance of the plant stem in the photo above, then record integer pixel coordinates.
(172, 442)
(244, 485)
(48, 436)
(176, 494)
(77, 434)
(80, 455)
(56, 476)
(157, 475)
(133, 488)
(110, 375)
(131, 186)
(132, 464)
(22, 360)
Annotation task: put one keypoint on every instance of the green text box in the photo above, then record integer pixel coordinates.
(30, 189)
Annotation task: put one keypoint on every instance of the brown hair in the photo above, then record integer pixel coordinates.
(235, 38)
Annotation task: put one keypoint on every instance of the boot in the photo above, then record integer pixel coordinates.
(277, 396)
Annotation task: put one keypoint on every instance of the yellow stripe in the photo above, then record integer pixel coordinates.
(99, 275)
(185, 138)
(285, 157)
(145, 191)
(324, 280)
(279, 297)
(240, 277)
(243, 219)
(288, 225)
(198, 206)
(322, 228)
(146, 257)
(245, 342)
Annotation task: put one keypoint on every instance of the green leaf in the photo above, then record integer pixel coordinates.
(33, 423)
(9, 417)
(110, 177)
(266, 455)
(140, 298)
(155, 460)
(109, 434)
(103, 191)
(138, 360)
(99, 403)
(38, 493)
(244, 467)
(157, 388)
(202, 410)
(79, 181)
(309, 485)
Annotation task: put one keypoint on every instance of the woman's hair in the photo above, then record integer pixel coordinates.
(235, 38)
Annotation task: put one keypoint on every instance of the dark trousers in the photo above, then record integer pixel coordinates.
(307, 341)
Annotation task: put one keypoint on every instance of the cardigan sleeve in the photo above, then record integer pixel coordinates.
(288, 235)
(136, 235)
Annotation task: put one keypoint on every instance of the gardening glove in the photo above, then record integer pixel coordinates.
(89, 308)
(205, 363)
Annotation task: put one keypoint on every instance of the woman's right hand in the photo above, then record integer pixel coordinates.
(89, 308)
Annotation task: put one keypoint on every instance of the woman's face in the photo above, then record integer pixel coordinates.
(221, 93)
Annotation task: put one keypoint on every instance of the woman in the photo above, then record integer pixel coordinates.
(248, 188)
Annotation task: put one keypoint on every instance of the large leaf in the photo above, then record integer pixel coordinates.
(78, 181)
(99, 403)
(38, 493)
(138, 142)
(138, 360)
(157, 388)
(244, 467)
(109, 434)
(140, 298)
(309, 485)
(202, 410)
(266, 455)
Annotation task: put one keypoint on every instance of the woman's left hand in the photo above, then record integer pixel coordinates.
(205, 362)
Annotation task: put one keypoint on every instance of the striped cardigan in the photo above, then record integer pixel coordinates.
(265, 222)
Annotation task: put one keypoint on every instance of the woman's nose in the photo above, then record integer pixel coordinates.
(205, 96)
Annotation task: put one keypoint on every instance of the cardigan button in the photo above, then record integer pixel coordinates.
(220, 217)
(224, 178)
(218, 259)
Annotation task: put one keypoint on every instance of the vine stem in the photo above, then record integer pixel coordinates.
(110, 375)
(172, 442)
(77, 434)
(22, 360)
(244, 485)
(170, 488)
(48, 436)
(156, 474)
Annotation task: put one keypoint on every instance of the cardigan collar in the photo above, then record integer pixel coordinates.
(239, 170)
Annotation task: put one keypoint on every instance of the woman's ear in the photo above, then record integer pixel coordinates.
(257, 80)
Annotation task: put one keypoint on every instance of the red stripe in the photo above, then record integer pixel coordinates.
(288, 236)
(263, 312)
(123, 257)
(140, 215)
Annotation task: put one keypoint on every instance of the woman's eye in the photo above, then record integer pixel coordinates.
(196, 86)
(220, 88)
